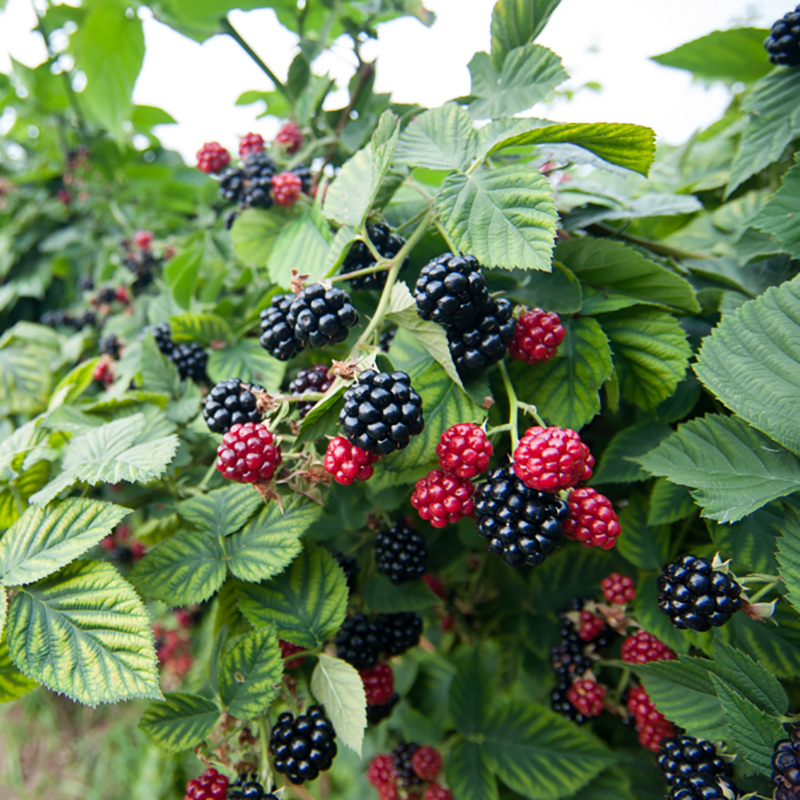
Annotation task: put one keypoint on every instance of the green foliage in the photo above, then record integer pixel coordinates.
(340, 689)
(516, 23)
(179, 721)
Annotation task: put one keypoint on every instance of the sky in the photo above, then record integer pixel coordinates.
(608, 42)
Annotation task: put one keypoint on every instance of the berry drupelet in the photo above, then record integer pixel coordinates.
(360, 257)
(303, 747)
(400, 553)
(248, 454)
(212, 158)
(560, 703)
(387, 337)
(232, 402)
(537, 336)
(476, 345)
(321, 316)
(277, 334)
(350, 568)
(442, 499)
(551, 459)
(314, 379)
(451, 290)
(348, 463)
(247, 787)
(191, 361)
(359, 642)
(783, 42)
(464, 450)
(163, 336)
(693, 770)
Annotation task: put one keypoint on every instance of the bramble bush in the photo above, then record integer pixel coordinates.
(416, 454)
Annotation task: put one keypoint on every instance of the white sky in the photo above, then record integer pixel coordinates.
(608, 42)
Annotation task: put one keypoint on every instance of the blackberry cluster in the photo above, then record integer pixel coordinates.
(232, 402)
(786, 768)
(141, 264)
(451, 290)
(249, 186)
(693, 770)
(350, 568)
(191, 360)
(163, 336)
(303, 747)
(400, 553)
(360, 641)
(402, 757)
(313, 379)
(57, 319)
(86, 283)
(522, 525)
(783, 42)
(277, 335)
(694, 595)
(247, 787)
(560, 703)
(376, 714)
(482, 342)
(106, 294)
(321, 316)
(399, 632)
(381, 412)
(360, 257)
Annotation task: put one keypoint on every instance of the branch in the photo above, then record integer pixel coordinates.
(234, 34)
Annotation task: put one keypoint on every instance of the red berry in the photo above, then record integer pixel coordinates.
(248, 453)
(184, 617)
(651, 734)
(442, 499)
(250, 143)
(103, 372)
(63, 196)
(286, 188)
(436, 792)
(143, 239)
(426, 763)
(290, 138)
(212, 158)
(591, 626)
(435, 585)
(122, 294)
(464, 450)
(348, 463)
(209, 786)
(378, 684)
(643, 647)
(650, 723)
(618, 589)
(388, 791)
(381, 771)
(537, 336)
(591, 519)
(137, 550)
(108, 543)
(289, 649)
(551, 459)
(588, 697)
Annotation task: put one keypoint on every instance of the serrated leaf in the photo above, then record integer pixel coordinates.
(181, 274)
(558, 291)
(539, 754)
(566, 389)
(45, 539)
(3, 609)
(73, 384)
(731, 468)
(338, 686)
(442, 138)
(470, 697)
(24, 385)
(788, 556)
(158, 373)
(27, 484)
(303, 240)
(271, 540)
(202, 328)
(645, 546)
(251, 672)
(669, 503)
(654, 621)
(468, 774)
(505, 217)
(185, 569)
(85, 633)
(323, 416)
(180, 721)
(222, 511)
(248, 361)
(383, 596)
(13, 684)
(307, 602)
(776, 646)
(254, 233)
(516, 23)
(777, 218)
(751, 541)
(615, 464)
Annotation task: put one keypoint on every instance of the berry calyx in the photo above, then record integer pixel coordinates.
(286, 188)
(537, 336)
(303, 747)
(290, 138)
(400, 553)
(348, 463)
(592, 520)
(642, 647)
(436, 792)
(248, 454)
(588, 697)
(209, 786)
(464, 450)
(143, 239)
(250, 143)
(380, 771)
(212, 158)
(426, 763)
(378, 684)
(442, 499)
(618, 589)
(590, 626)
(288, 649)
(552, 459)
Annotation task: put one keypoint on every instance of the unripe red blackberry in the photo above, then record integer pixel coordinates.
(248, 454)
(286, 188)
(378, 684)
(435, 792)
(537, 336)
(143, 239)
(464, 450)
(652, 734)
(642, 647)
(348, 463)
(321, 316)
(427, 763)
(314, 379)
(588, 697)
(590, 626)
(618, 589)
(303, 747)
(289, 649)
(442, 499)
(290, 138)
(103, 372)
(250, 143)
(381, 771)
(277, 334)
(552, 459)
(209, 786)
(212, 158)
(591, 519)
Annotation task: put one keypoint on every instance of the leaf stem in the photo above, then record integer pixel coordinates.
(764, 590)
(236, 36)
(448, 241)
(513, 407)
(383, 266)
(265, 732)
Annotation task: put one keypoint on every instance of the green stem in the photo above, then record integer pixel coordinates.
(448, 241)
(513, 407)
(234, 34)
(203, 485)
(346, 276)
(265, 732)
(762, 591)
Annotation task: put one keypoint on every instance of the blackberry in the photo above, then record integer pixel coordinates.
(451, 290)
(376, 714)
(783, 42)
(399, 632)
(567, 658)
(786, 768)
(277, 335)
(304, 173)
(559, 702)
(482, 343)
(163, 336)
(359, 641)
(106, 294)
(230, 218)
(400, 553)
(303, 747)
(694, 595)
(350, 568)
(360, 257)
(248, 787)
(191, 360)
(86, 320)
(522, 525)
(232, 402)
(86, 283)
(110, 345)
(387, 337)
(231, 185)
(693, 770)
(257, 175)
(402, 756)
(56, 319)
(313, 379)
(381, 412)
(321, 316)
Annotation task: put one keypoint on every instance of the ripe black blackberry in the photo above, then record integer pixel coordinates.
(398, 632)
(387, 337)
(381, 412)
(257, 174)
(567, 658)
(304, 173)
(350, 568)
(360, 257)
(277, 335)
(359, 641)
(56, 319)
(694, 595)
(400, 553)
(313, 379)
(693, 770)
(231, 185)
(163, 336)
(191, 360)
(248, 787)
(401, 758)
(560, 703)
(786, 768)
(106, 294)
(232, 402)
(783, 42)
(522, 525)
(451, 290)
(110, 345)
(321, 316)
(483, 342)
(303, 747)
(230, 218)
(86, 283)
(376, 714)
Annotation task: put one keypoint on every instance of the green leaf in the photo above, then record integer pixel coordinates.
(645, 546)
(185, 569)
(73, 384)
(558, 291)
(788, 556)
(13, 684)
(307, 602)
(443, 138)
(529, 75)
(181, 275)
(505, 217)
(777, 216)
(470, 697)
(24, 385)
(303, 240)
(733, 55)
(254, 233)
(222, 511)
(338, 686)
(751, 541)
(731, 468)
(45, 539)
(750, 363)
(180, 721)
(651, 353)
(751, 732)
(3, 609)
(776, 646)
(202, 328)
(248, 361)
(669, 503)
(615, 464)
(468, 774)
(566, 389)
(85, 633)
(251, 672)
(269, 543)
(383, 596)
(516, 23)
(539, 754)
(158, 373)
